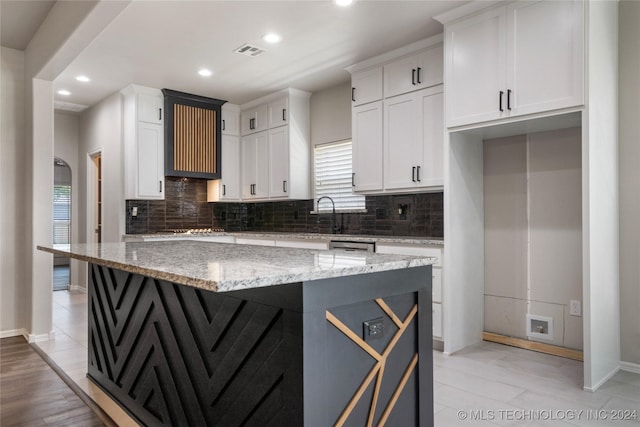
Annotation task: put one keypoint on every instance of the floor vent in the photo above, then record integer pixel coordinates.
(249, 50)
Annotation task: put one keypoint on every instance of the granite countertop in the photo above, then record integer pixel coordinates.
(413, 240)
(224, 267)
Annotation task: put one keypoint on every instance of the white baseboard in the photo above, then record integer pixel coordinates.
(630, 367)
(41, 337)
(78, 288)
(14, 333)
(602, 381)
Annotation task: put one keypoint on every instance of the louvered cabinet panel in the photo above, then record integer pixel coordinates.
(192, 135)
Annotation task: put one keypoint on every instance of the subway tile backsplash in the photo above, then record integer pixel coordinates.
(186, 206)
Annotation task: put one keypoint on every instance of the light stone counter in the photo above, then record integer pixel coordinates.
(223, 267)
(410, 240)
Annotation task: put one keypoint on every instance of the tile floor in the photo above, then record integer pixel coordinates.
(486, 385)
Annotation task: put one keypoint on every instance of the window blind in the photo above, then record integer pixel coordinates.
(61, 214)
(332, 169)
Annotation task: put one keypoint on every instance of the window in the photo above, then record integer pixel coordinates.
(332, 168)
(61, 214)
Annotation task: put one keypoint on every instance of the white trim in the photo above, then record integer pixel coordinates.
(397, 53)
(464, 11)
(78, 288)
(603, 380)
(13, 333)
(630, 367)
(291, 92)
(41, 337)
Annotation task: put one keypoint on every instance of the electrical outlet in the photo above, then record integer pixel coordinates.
(574, 307)
(373, 328)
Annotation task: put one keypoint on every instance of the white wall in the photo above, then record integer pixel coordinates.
(629, 158)
(101, 129)
(331, 114)
(13, 299)
(65, 146)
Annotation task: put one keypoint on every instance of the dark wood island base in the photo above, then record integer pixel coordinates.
(353, 350)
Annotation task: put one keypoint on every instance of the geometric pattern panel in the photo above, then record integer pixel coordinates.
(180, 356)
(374, 399)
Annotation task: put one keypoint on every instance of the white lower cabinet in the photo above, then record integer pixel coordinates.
(436, 276)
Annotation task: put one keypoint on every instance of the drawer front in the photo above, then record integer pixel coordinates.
(437, 320)
(415, 250)
(437, 284)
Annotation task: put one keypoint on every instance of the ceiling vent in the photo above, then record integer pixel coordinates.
(249, 50)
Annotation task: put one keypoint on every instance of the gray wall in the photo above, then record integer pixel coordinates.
(13, 299)
(533, 233)
(629, 159)
(330, 111)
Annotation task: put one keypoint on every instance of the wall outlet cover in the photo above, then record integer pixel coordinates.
(575, 308)
(373, 328)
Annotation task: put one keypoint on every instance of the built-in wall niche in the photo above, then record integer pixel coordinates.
(533, 234)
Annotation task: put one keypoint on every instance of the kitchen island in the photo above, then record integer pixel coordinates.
(197, 333)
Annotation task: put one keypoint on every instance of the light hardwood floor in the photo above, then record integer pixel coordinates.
(493, 383)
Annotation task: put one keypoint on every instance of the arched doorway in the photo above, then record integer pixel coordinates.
(61, 222)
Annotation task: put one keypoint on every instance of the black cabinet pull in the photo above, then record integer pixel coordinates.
(160, 186)
(224, 190)
(159, 113)
(501, 94)
(413, 174)
(418, 75)
(353, 179)
(284, 114)
(508, 99)
(224, 125)
(353, 94)
(252, 124)
(413, 77)
(253, 189)
(418, 173)
(284, 186)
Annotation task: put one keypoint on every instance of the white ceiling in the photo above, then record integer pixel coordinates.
(163, 44)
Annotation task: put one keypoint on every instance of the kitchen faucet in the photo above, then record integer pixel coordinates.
(334, 227)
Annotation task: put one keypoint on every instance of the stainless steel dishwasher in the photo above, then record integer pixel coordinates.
(346, 245)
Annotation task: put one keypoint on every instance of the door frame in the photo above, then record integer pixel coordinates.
(92, 195)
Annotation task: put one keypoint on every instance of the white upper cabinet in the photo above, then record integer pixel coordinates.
(545, 55)
(413, 140)
(143, 143)
(414, 72)
(276, 163)
(366, 86)
(367, 147)
(278, 112)
(150, 108)
(227, 188)
(230, 120)
(254, 120)
(522, 58)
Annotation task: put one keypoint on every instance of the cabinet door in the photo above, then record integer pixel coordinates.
(230, 122)
(255, 169)
(402, 141)
(279, 112)
(430, 71)
(230, 182)
(475, 67)
(279, 162)
(366, 86)
(150, 108)
(400, 76)
(150, 160)
(545, 55)
(254, 120)
(367, 146)
(431, 172)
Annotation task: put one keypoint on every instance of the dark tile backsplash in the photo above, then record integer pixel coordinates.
(186, 206)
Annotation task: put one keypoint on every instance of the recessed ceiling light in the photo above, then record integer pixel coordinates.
(64, 92)
(271, 38)
(205, 73)
(343, 2)
(83, 79)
